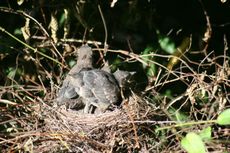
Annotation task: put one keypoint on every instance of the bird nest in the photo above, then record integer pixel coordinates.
(119, 130)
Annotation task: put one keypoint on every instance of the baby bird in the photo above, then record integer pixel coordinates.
(67, 90)
(96, 88)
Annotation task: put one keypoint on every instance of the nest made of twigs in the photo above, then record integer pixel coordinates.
(111, 131)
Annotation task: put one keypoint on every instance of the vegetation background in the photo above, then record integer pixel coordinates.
(179, 49)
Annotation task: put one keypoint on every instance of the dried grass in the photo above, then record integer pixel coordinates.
(38, 125)
(30, 121)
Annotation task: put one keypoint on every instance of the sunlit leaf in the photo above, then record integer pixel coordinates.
(20, 2)
(167, 45)
(206, 134)
(193, 143)
(224, 118)
(178, 52)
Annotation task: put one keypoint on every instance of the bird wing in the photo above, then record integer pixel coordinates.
(103, 85)
(67, 91)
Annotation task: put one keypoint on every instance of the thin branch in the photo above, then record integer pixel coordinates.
(105, 27)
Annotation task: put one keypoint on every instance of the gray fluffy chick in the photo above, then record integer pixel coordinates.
(97, 88)
(67, 90)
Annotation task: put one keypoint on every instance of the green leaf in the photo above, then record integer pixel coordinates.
(167, 44)
(62, 19)
(20, 2)
(115, 64)
(224, 118)
(12, 72)
(178, 115)
(206, 134)
(193, 143)
(151, 68)
(72, 63)
(18, 31)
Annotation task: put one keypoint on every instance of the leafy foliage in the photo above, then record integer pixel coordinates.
(224, 118)
(193, 143)
(179, 49)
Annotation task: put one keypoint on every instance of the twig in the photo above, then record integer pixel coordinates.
(105, 27)
(137, 145)
(28, 46)
(7, 102)
(8, 10)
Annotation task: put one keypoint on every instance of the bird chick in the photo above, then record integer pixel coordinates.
(67, 90)
(97, 88)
